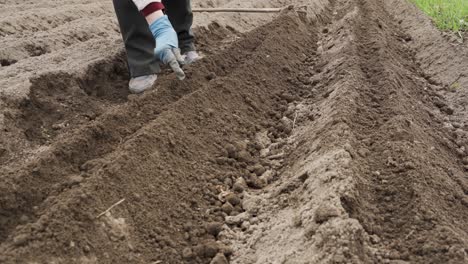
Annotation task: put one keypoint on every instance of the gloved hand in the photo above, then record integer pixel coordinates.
(167, 45)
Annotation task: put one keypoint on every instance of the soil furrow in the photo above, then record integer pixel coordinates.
(84, 135)
(398, 186)
(171, 159)
(41, 19)
(373, 152)
(51, 41)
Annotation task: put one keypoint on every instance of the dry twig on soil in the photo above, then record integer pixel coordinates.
(239, 10)
(110, 208)
(294, 122)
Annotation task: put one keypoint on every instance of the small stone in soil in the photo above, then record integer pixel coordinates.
(297, 221)
(251, 204)
(227, 208)
(20, 240)
(241, 145)
(238, 187)
(228, 182)
(221, 160)
(210, 249)
(264, 152)
(268, 176)
(76, 179)
(223, 248)
(214, 228)
(24, 219)
(233, 199)
(254, 182)
(210, 76)
(187, 253)
(198, 250)
(238, 219)
(243, 156)
(245, 226)
(231, 151)
(311, 230)
(465, 161)
(259, 169)
(374, 239)
(262, 139)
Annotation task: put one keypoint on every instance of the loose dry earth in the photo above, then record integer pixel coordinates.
(333, 133)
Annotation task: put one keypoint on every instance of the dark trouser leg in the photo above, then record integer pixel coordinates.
(138, 39)
(181, 17)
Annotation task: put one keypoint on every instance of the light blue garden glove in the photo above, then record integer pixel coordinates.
(167, 45)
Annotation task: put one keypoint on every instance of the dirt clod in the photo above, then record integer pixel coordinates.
(210, 76)
(187, 253)
(258, 169)
(233, 199)
(251, 204)
(244, 156)
(214, 228)
(227, 208)
(231, 151)
(76, 179)
(210, 249)
(325, 212)
(20, 240)
(237, 219)
(239, 186)
(219, 259)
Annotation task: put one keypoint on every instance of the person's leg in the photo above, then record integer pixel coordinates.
(181, 17)
(138, 39)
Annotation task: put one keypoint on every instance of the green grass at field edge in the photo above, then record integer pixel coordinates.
(447, 14)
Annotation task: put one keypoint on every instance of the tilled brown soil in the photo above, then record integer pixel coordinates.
(322, 136)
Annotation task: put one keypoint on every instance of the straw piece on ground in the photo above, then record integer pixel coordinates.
(110, 208)
(238, 10)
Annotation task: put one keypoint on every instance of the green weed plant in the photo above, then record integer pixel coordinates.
(447, 14)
